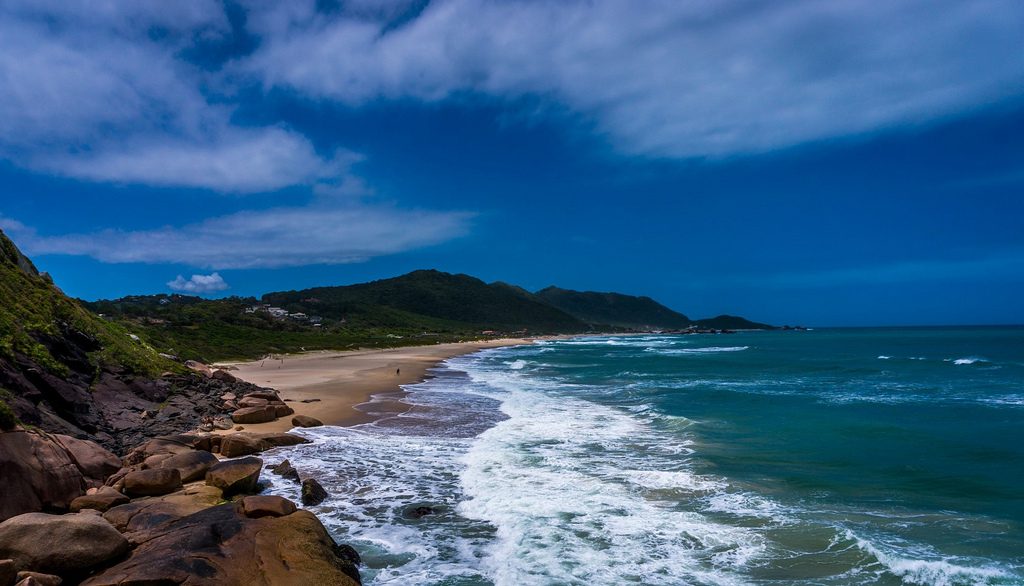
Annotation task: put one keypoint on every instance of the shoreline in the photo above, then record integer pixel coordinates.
(339, 387)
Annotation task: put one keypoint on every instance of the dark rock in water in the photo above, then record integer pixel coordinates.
(254, 415)
(312, 492)
(255, 507)
(60, 544)
(8, 572)
(103, 500)
(38, 579)
(236, 476)
(286, 470)
(192, 465)
(348, 553)
(156, 482)
(419, 511)
(306, 421)
(220, 545)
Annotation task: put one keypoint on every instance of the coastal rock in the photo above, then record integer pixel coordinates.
(94, 461)
(282, 410)
(241, 444)
(255, 507)
(254, 415)
(155, 482)
(236, 476)
(286, 470)
(312, 492)
(191, 466)
(224, 376)
(266, 394)
(38, 579)
(140, 520)
(101, 500)
(252, 402)
(60, 544)
(281, 439)
(222, 546)
(306, 421)
(37, 474)
(168, 444)
(8, 572)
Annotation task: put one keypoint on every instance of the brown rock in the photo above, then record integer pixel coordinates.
(312, 492)
(255, 507)
(252, 402)
(254, 415)
(239, 428)
(38, 579)
(279, 439)
(8, 572)
(140, 520)
(155, 482)
(236, 476)
(306, 421)
(169, 444)
(38, 474)
(241, 444)
(228, 397)
(221, 546)
(155, 460)
(60, 544)
(95, 462)
(101, 500)
(282, 410)
(191, 466)
(269, 395)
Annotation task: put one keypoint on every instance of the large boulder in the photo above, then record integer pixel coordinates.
(252, 402)
(279, 439)
(166, 445)
(94, 461)
(255, 507)
(254, 414)
(281, 410)
(38, 579)
(312, 492)
(37, 473)
(222, 546)
(191, 466)
(155, 482)
(306, 421)
(8, 572)
(241, 444)
(66, 545)
(101, 500)
(236, 476)
(142, 519)
(265, 394)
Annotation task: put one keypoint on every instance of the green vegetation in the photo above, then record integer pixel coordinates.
(614, 309)
(37, 319)
(7, 417)
(732, 322)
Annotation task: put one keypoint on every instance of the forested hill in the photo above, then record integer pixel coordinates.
(614, 309)
(457, 299)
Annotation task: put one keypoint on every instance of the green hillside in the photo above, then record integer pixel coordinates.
(456, 300)
(43, 326)
(614, 309)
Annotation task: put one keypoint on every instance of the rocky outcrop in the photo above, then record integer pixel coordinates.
(255, 507)
(101, 500)
(191, 466)
(254, 414)
(286, 470)
(44, 472)
(222, 545)
(8, 572)
(236, 476)
(142, 519)
(306, 421)
(155, 482)
(65, 545)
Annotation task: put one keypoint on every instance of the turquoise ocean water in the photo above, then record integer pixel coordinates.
(833, 456)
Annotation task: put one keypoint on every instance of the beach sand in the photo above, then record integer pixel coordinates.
(344, 382)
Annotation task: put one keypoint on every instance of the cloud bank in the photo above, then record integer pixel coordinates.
(272, 238)
(198, 284)
(664, 78)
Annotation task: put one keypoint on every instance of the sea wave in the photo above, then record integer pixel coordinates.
(930, 572)
(706, 350)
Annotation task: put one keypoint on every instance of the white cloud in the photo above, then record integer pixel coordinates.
(198, 283)
(89, 92)
(667, 78)
(279, 237)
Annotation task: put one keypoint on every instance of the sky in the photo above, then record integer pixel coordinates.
(796, 162)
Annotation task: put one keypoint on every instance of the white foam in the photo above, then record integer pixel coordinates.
(517, 364)
(707, 350)
(929, 572)
(968, 360)
(882, 357)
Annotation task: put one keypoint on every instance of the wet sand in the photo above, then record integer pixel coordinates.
(339, 385)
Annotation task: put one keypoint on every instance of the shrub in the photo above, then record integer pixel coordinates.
(7, 418)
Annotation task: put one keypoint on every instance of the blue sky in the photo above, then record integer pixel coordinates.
(837, 163)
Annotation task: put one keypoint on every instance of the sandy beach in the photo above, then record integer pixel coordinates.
(337, 386)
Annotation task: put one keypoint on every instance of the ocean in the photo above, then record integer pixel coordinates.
(831, 456)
